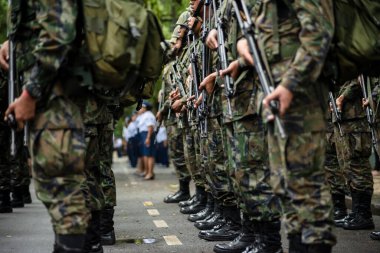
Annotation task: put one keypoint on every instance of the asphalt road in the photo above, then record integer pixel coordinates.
(141, 214)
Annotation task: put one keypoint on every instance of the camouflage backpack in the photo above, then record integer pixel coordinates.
(356, 45)
(124, 42)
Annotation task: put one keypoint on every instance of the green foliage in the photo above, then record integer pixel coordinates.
(3, 20)
(168, 13)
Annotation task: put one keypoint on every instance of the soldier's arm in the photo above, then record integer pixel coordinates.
(315, 37)
(350, 90)
(57, 32)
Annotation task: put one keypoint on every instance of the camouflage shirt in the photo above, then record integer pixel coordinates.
(46, 32)
(295, 37)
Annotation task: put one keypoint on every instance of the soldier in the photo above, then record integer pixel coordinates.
(247, 155)
(20, 177)
(335, 175)
(353, 146)
(107, 179)
(57, 130)
(5, 171)
(295, 37)
(191, 135)
(176, 151)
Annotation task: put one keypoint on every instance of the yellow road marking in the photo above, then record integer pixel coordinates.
(160, 223)
(172, 240)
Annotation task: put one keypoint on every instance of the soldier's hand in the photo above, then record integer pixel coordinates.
(159, 116)
(365, 102)
(243, 50)
(177, 106)
(4, 55)
(208, 83)
(339, 103)
(233, 70)
(281, 94)
(198, 102)
(175, 95)
(24, 108)
(212, 39)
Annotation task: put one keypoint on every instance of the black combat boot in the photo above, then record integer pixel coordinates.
(340, 209)
(319, 248)
(26, 194)
(17, 197)
(245, 238)
(227, 231)
(216, 218)
(205, 212)
(69, 244)
(268, 238)
(197, 206)
(375, 235)
(5, 202)
(188, 202)
(93, 240)
(106, 226)
(182, 194)
(296, 245)
(362, 216)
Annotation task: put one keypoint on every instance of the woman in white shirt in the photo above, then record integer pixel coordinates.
(145, 125)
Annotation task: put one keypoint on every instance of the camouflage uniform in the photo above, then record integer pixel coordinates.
(353, 150)
(354, 147)
(192, 135)
(334, 174)
(94, 112)
(247, 143)
(297, 161)
(107, 178)
(176, 150)
(5, 170)
(57, 143)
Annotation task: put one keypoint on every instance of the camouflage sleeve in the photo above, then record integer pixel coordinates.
(350, 90)
(57, 31)
(316, 32)
(165, 108)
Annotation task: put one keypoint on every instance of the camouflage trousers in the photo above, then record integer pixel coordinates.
(14, 172)
(250, 174)
(58, 155)
(19, 165)
(334, 174)
(215, 160)
(107, 177)
(192, 152)
(298, 179)
(176, 151)
(5, 160)
(93, 191)
(353, 151)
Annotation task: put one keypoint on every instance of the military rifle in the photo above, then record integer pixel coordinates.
(370, 118)
(194, 68)
(12, 82)
(336, 111)
(178, 80)
(203, 111)
(263, 72)
(223, 60)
